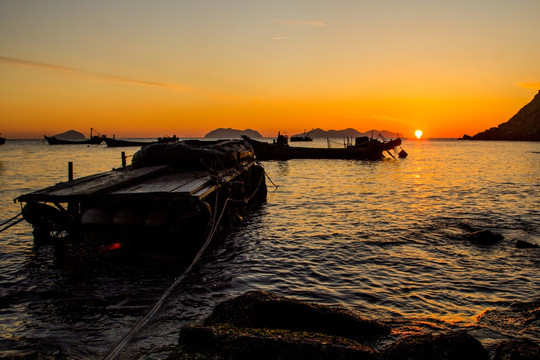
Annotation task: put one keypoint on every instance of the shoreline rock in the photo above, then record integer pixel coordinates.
(258, 309)
(260, 325)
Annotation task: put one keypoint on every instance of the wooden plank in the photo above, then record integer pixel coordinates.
(192, 186)
(161, 184)
(204, 191)
(94, 185)
(142, 182)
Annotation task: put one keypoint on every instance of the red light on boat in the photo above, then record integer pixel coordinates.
(114, 246)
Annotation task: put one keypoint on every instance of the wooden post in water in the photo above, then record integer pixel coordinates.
(70, 170)
(123, 159)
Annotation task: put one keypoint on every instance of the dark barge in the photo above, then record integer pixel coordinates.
(93, 140)
(171, 195)
(364, 148)
(113, 142)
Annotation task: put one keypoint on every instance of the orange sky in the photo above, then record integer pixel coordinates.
(147, 69)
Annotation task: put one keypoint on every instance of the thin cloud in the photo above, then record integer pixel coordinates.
(279, 38)
(79, 72)
(312, 23)
(128, 81)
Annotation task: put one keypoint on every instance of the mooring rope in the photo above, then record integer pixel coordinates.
(13, 218)
(13, 223)
(113, 354)
(268, 176)
(217, 219)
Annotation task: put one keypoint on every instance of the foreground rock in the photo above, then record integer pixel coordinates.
(259, 325)
(517, 350)
(453, 346)
(230, 342)
(258, 309)
(524, 126)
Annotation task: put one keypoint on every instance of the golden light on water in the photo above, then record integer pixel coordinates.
(418, 134)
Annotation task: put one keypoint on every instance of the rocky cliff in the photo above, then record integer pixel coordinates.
(524, 126)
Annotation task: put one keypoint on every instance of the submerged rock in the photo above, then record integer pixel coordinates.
(452, 346)
(522, 349)
(521, 244)
(258, 309)
(484, 237)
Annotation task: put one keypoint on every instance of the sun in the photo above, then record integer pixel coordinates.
(418, 134)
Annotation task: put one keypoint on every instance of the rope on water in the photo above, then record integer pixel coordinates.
(13, 222)
(268, 176)
(13, 218)
(217, 219)
(113, 354)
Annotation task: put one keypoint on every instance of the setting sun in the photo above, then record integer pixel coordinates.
(418, 134)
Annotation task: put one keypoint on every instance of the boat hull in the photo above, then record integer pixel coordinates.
(96, 140)
(300, 138)
(371, 150)
(122, 143)
(175, 203)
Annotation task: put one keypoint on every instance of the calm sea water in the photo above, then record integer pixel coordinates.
(385, 239)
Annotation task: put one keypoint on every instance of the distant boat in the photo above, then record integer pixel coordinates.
(2, 140)
(112, 142)
(364, 148)
(93, 140)
(306, 137)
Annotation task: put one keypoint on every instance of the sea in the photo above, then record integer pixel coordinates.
(385, 239)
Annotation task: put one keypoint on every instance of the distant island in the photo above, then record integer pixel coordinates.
(70, 135)
(319, 133)
(524, 126)
(229, 133)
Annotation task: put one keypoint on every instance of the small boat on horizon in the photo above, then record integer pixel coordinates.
(364, 148)
(2, 140)
(306, 137)
(93, 140)
(113, 142)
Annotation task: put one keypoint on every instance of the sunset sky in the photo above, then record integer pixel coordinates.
(147, 68)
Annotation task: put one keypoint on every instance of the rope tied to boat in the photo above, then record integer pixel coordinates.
(215, 222)
(268, 177)
(14, 221)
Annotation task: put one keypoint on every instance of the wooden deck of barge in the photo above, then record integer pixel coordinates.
(144, 183)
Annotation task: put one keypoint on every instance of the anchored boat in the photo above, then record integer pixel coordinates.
(305, 137)
(364, 148)
(93, 140)
(171, 195)
(112, 142)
